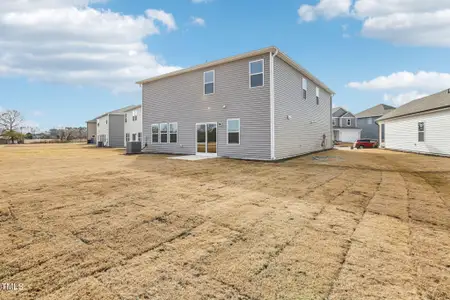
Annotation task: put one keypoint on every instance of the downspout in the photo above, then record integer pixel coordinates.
(272, 104)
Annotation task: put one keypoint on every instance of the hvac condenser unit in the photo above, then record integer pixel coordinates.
(134, 147)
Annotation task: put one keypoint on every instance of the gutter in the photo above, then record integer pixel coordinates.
(272, 104)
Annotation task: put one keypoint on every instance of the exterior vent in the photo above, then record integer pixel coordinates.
(134, 147)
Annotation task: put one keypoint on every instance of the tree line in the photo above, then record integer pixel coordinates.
(11, 121)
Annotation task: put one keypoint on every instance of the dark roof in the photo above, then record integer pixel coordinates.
(376, 111)
(117, 111)
(339, 112)
(429, 103)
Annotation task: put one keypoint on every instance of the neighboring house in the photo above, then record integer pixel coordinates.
(421, 126)
(259, 105)
(367, 120)
(345, 126)
(133, 124)
(110, 127)
(92, 130)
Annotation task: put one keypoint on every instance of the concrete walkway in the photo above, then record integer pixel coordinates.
(192, 157)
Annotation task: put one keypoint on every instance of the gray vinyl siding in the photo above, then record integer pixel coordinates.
(352, 123)
(369, 131)
(181, 99)
(309, 121)
(116, 130)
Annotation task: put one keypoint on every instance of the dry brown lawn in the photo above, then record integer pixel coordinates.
(85, 223)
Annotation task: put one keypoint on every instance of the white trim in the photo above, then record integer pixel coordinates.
(213, 82)
(206, 140)
(160, 133)
(171, 133)
(272, 106)
(250, 73)
(236, 119)
(151, 134)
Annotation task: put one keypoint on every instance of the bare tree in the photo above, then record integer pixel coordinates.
(10, 120)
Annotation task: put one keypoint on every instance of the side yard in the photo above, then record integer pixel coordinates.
(87, 223)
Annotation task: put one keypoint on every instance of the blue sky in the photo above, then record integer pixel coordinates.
(63, 62)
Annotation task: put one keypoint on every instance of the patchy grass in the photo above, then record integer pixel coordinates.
(86, 223)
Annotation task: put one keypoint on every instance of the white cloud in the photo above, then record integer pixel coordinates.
(201, 1)
(411, 22)
(198, 21)
(401, 99)
(165, 18)
(325, 8)
(67, 41)
(426, 81)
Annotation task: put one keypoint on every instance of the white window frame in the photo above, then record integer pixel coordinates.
(139, 137)
(213, 82)
(126, 118)
(160, 133)
(173, 133)
(418, 132)
(317, 95)
(159, 138)
(127, 137)
(250, 74)
(349, 120)
(304, 88)
(235, 119)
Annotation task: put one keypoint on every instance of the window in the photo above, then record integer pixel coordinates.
(234, 131)
(317, 95)
(382, 132)
(369, 121)
(305, 87)
(155, 133)
(257, 73)
(164, 132)
(135, 117)
(126, 118)
(421, 132)
(173, 128)
(106, 121)
(349, 122)
(334, 122)
(134, 137)
(208, 82)
(98, 124)
(127, 137)
(140, 137)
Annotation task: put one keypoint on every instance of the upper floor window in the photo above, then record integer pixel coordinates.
(135, 117)
(349, 122)
(209, 82)
(155, 133)
(305, 87)
(334, 122)
(126, 118)
(257, 73)
(421, 132)
(370, 121)
(317, 95)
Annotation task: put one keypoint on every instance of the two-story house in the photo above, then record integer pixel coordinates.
(367, 120)
(345, 126)
(110, 127)
(259, 105)
(133, 124)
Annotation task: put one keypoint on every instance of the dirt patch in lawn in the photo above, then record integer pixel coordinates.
(85, 223)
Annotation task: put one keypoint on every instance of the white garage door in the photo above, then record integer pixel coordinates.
(349, 136)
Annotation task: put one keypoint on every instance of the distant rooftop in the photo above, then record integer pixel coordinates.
(376, 111)
(429, 103)
(117, 111)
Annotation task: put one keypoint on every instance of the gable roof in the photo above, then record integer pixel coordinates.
(348, 115)
(115, 112)
(429, 103)
(272, 49)
(339, 112)
(376, 111)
